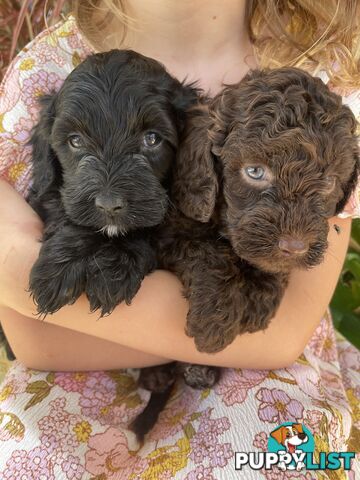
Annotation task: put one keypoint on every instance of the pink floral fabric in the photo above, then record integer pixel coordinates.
(74, 426)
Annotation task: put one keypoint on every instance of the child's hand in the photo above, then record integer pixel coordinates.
(20, 234)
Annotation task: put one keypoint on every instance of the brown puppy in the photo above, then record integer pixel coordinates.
(264, 167)
(260, 170)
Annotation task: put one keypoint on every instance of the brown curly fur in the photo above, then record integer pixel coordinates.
(233, 270)
(223, 238)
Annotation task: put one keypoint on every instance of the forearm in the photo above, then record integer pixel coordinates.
(154, 324)
(42, 346)
(155, 321)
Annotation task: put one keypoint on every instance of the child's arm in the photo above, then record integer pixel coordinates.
(154, 323)
(43, 346)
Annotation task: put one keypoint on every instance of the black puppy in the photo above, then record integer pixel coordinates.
(102, 152)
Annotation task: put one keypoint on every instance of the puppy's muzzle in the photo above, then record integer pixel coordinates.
(110, 205)
(290, 246)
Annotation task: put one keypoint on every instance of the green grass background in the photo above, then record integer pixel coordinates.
(345, 305)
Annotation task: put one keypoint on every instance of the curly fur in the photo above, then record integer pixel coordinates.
(109, 102)
(291, 125)
(225, 239)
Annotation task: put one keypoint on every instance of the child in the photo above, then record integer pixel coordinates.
(73, 425)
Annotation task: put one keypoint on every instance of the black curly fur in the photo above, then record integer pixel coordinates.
(101, 197)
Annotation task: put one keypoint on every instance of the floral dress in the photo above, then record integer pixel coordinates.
(57, 425)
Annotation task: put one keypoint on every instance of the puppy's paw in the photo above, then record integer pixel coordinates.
(55, 284)
(105, 292)
(252, 322)
(115, 276)
(259, 312)
(157, 379)
(210, 343)
(200, 376)
(211, 332)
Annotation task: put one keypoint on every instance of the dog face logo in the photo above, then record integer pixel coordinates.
(290, 436)
(291, 441)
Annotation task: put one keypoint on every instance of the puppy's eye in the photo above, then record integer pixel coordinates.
(75, 141)
(152, 139)
(329, 182)
(256, 173)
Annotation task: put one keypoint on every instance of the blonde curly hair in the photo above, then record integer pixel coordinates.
(313, 35)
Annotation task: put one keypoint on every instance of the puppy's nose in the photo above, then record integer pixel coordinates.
(292, 246)
(109, 205)
(302, 436)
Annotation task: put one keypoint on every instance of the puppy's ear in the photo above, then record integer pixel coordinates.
(183, 96)
(195, 184)
(345, 135)
(46, 167)
(351, 185)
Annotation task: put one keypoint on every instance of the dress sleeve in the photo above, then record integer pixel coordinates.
(39, 69)
(352, 208)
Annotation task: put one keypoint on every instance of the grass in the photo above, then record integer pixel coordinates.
(345, 305)
(22, 20)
